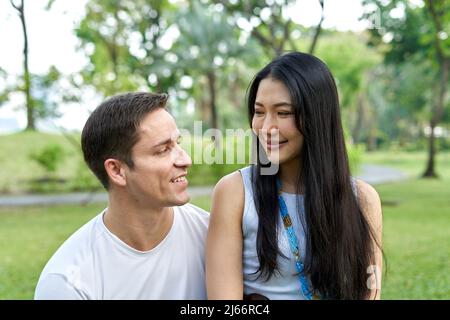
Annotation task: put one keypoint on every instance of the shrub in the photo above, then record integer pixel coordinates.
(49, 158)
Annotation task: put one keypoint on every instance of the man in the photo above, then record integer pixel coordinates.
(149, 242)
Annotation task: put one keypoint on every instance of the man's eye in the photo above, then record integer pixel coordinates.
(163, 150)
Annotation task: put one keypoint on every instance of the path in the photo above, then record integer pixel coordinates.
(373, 174)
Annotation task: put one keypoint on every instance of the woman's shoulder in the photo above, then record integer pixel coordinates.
(366, 192)
(370, 202)
(228, 194)
(231, 182)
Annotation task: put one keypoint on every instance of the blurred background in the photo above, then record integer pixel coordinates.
(60, 59)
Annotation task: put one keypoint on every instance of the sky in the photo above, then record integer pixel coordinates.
(52, 42)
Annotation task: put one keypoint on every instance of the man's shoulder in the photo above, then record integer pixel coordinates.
(193, 218)
(69, 269)
(74, 252)
(194, 211)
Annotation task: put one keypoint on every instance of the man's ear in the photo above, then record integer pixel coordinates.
(115, 170)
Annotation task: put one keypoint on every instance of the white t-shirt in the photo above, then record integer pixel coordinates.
(95, 264)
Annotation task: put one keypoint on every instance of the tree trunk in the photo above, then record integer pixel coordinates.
(444, 64)
(212, 97)
(371, 142)
(204, 105)
(26, 72)
(439, 111)
(430, 170)
(312, 48)
(359, 119)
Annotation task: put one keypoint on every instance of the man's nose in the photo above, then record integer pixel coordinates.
(182, 158)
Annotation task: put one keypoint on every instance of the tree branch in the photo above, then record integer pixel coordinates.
(18, 8)
(318, 29)
(437, 25)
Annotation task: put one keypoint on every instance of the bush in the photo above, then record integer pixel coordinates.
(355, 154)
(49, 158)
(210, 174)
(85, 180)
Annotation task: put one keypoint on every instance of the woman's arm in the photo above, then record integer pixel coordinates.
(371, 207)
(224, 277)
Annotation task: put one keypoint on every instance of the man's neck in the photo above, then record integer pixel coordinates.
(142, 228)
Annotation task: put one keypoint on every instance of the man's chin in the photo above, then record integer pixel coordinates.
(182, 200)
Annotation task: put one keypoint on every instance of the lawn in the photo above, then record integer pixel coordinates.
(416, 225)
(416, 228)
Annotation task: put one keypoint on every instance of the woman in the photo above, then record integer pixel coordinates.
(310, 230)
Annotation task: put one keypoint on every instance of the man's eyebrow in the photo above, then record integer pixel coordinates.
(167, 141)
(278, 104)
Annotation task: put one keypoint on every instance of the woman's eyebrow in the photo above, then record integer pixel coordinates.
(278, 104)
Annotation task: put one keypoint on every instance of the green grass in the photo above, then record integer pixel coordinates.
(416, 234)
(416, 228)
(17, 169)
(28, 238)
(412, 163)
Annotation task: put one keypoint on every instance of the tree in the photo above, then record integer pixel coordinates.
(122, 41)
(352, 64)
(270, 25)
(20, 8)
(439, 10)
(422, 33)
(5, 90)
(204, 52)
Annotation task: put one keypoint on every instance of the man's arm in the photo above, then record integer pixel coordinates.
(55, 286)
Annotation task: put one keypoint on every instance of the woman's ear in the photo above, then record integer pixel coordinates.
(116, 173)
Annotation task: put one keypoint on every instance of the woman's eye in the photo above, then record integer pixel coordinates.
(284, 114)
(258, 113)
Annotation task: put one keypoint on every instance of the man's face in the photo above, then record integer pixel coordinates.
(158, 177)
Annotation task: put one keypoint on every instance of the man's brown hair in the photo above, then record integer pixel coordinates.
(112, 129)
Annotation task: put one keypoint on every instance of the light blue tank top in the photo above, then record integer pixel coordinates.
(283, 285)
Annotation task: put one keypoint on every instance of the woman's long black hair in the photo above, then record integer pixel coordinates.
(339, 239)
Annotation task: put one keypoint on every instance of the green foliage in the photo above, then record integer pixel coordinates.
(121, 40)
(213, 57)
(85, 179)
(20, 173)
(228, 157)
(266, 22)
(350, 61)
(49, 158)
(355, 155)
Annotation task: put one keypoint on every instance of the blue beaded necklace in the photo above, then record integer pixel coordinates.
(293, 243)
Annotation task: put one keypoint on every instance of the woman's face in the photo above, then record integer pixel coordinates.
(274, 122)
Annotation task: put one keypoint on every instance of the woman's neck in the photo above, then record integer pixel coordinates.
(289, 175)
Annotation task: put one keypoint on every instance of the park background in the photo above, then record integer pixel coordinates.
(391, 61)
